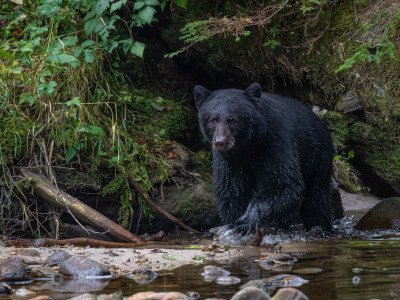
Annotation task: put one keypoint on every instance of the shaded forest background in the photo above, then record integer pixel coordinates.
(93, 91)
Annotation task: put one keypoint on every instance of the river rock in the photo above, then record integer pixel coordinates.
(158, 296)
(289, 294)
(227, 280)
(211, 273)
(87, 296)
(80, 266)
(307, 271)
(56, 258)
(42, 297)
(251, 292)
(270, 284)
(44, 272)
(13, 269)
(76, 285)
(277, 261)
(384, 215)
(143, 275)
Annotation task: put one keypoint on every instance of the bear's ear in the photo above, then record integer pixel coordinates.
(200, 94)
(254, 91)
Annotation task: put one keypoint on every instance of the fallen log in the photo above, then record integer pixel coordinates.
(44, 189)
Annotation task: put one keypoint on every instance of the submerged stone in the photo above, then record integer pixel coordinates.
(87, 296)
(251, 292)
(80, 266)
(143, 275)
(42, 272)
(13, 270)
(307, 271)
(270, 284)
(384, 215)
(227, 280)
(211, 273)
(277, 261)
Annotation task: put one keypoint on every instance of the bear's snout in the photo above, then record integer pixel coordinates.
(222, 139)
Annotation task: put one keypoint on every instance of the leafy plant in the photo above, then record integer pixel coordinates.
(345, 174)
(57, 94)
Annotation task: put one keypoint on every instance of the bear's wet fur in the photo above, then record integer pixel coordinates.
(272, 159)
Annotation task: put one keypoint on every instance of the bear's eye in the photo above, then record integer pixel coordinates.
(212, 121)
(232, 121)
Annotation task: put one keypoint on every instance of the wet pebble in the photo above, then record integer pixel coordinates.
(43, 297)
(357, 270)
(42, 272)
(227, 280)
(307, 271)
(193, 295)
(158, 296)
(87, 296)
(56, 258)
(215, 271)
(251, 292)
(5, 289)
(80, 266)
(289, 294)
(356, 280)
(211, 273)
(143, 275)
(270, 284)
(12, 270)
(277, 262)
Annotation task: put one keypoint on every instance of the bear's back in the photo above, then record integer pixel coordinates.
(305, 128)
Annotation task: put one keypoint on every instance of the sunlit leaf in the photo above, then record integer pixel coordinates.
(138, 5)
(89, 57)
(70, 154)
(137, 49)
(117, 5)
(181, 3)
(27, 98)
(74, 101)
(101, 6)
(146, 14)
(152, 2)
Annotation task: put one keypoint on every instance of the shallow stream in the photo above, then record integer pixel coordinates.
(354, 267)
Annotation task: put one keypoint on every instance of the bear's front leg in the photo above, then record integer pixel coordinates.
(273, 208)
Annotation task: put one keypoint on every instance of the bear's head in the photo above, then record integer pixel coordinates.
(228, 118)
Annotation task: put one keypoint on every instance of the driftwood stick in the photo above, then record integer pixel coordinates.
(80, 210)
(146, 198)
(78, 242)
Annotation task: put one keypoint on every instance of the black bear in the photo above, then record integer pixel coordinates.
(272, 159)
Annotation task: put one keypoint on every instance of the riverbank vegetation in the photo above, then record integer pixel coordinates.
(93, 91)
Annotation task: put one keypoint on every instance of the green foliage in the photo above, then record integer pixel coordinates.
(345, 174)
(273, 41)
(310, 5)
(55, 89)
(376, 39)
(164, 117)
(369, 54)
